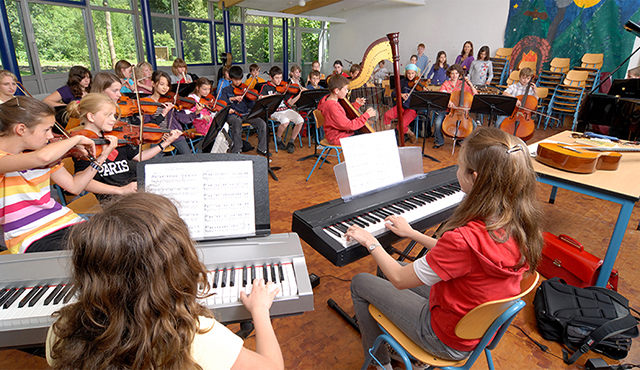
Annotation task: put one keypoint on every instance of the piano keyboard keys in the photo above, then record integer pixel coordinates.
(414, 207)
(26, 306)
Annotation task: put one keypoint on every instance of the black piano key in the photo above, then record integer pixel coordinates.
(38, 296)
(341, 227)
(348, 222)
(265, 273)
(395, 210)
(438, 194)
(7, 295)
(224, 278)
(273, 273)
(232, 278)
(425, 198)
(70, 294)
(384, 214)
(416, 202)
(332, 231)
(406, 203)
(359, 223)
(26, 298)
(63, 293)
(216, 276)
(53, 294)
(13, 298)
(280, 272)
(403, 206)
(253, 273)
(244, 276)
(370, 218)
(3, 293)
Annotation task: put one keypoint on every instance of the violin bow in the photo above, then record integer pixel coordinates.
(23, 89)
(66, 134)
(135, 82)
(247, 89)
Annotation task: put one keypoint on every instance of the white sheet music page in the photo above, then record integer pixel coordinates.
(372, 161)
(215, 198)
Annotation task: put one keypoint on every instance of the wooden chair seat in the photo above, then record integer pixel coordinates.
(86, 204)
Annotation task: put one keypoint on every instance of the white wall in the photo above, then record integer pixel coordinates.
(440, 25)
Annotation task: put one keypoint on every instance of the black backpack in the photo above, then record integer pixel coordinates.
(585, 319)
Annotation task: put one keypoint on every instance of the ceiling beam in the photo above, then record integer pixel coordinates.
(410, 2)
(311, 5)
(228, 3)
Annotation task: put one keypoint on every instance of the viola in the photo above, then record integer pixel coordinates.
(520, 123)
(457, 124)
(244, 91)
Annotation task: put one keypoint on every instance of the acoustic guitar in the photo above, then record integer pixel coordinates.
(578, 158)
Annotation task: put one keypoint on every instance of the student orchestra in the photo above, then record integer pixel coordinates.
(135, 95)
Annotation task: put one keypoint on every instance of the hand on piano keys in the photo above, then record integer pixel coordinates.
(261, 296)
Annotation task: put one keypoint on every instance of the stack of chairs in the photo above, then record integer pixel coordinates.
(567, 97)
(500, 66)
(592, 63)
(551, 78)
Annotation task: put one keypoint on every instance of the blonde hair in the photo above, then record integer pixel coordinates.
(178, 63)
(526, 72)
(4, 73)
(139, 68)
(91, 103)
(503, 195)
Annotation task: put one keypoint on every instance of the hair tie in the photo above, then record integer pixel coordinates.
(515, 148)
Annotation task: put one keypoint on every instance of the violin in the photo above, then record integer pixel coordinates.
(418, 84)
(151, 133)
(213, 103)
(520, 123)
(244, 91)
(98, 140)
(287, 87)
(457, 124)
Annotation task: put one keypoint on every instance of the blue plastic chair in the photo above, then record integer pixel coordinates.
(487, 322)
(327, 147)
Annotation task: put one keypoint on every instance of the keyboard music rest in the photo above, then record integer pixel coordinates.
(310, 222)
(35, 269)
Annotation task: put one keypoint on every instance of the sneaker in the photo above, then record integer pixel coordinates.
(436, 146)
(263, 153)
(281, 144)
(291, 147)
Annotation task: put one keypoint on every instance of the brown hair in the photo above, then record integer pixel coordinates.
(178, 63)
(436, 65)
(22, 109)
(421, 45)
(337, 82)
(253, 67)
(503, 195)
(201, 82)
(103, 81)
(314, 73)
(120, 65)
(355, 68)
(157, 75)
(484, 48)
(470, 51)
(295, 68)
(455, 67)
(91, 103)
(526, 72)
(77, 74)
(137, 274)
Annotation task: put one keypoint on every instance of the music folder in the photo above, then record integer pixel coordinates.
(218, 195)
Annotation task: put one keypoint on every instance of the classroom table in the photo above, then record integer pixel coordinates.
(621, 186)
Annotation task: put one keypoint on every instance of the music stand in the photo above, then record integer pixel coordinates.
(493, 105)
(428, 100)
(185, 89)
(212, 133)
(266, 106)
(308, 101)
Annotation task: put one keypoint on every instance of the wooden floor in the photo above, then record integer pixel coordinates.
(321, 339)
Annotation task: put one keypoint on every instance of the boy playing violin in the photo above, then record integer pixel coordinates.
(284, 114)
(519, 88)
(336, 123)
(408, 115)
(242, 107)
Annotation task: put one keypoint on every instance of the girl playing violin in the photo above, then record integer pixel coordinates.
(438, 73)
(32, 220)
(118, 174)
(481, 70)
(466, 56)
(179, 72)
(454, 83)
(78, 85)
(124, 70)
(166, 116)
(408, 115)
(204, 115)
(8, 85)
(107, 83)
(144, 70)
(413, 60)
(284, 114)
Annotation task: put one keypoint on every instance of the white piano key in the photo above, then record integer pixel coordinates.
(276, 282)
(226, 290)
(237, 285)
(291, 278)
(285, 286)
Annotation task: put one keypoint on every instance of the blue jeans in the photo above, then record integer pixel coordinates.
(408, 309)
(437, 127)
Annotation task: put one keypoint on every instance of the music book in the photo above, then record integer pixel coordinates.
(219, 196)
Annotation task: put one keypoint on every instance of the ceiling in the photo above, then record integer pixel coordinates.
(323, 8)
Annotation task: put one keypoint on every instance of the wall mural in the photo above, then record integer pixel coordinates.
(539, 30)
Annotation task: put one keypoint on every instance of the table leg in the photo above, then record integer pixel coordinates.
(554, 192)
(614, 244)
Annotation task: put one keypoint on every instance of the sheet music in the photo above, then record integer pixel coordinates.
(215, 199)
(372, 161)
(220, 145)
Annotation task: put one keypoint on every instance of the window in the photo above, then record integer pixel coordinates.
(193, 8)
(60, 37)
(257, 44)
(118, 4)
(307, 23)
(164, 36)
(196, 42)
(18, 35)
(277, 44)
(310, 46)
(235, 14)
(160, 6)
(114, 38)
(237, 51)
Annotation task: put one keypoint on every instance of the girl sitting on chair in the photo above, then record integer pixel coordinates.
(489, 242)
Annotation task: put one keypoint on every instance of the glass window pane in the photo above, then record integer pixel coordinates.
(217, 13)
(277, 45)
(277, 21)
(164, 36)
(220, 48)
(257, 44)
(307, 23)
(235, 14)
(310, 44)
(256, 19)
(194, 8)
(196, 42)
(292, 45)
(60, 37)
(114, 38)
(161, 6)
(118, 4)
(19, 37)
(237, 51)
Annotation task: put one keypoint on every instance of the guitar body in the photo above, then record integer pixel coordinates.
(576, 160)
(353, 113)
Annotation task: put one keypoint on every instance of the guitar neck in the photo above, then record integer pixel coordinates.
(606, 149)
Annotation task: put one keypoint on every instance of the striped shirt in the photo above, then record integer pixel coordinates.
(27, 211)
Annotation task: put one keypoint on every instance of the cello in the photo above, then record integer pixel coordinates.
(457, 124)
(520, 123)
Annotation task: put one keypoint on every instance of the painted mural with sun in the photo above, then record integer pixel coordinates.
(543, 29)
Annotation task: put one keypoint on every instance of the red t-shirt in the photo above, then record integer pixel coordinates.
(474, 269)
(336, 124)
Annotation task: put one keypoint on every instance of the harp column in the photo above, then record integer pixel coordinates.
(393, 41)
